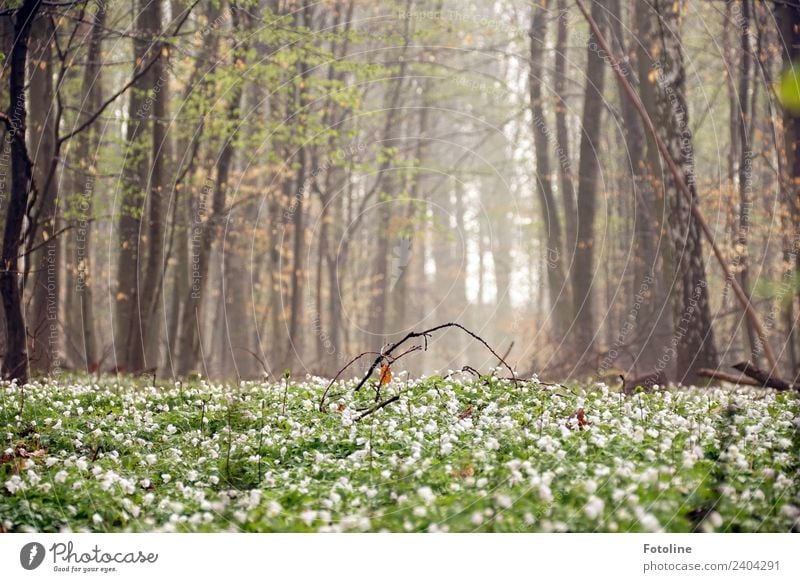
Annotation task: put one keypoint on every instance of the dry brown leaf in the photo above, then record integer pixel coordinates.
(464, 472)
(466, 413)
(386, 374)
(580, 415)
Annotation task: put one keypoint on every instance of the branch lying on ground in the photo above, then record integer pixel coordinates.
(725, 377)
(764, 378)
(750, 376)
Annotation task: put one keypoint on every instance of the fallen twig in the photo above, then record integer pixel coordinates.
(466, 368)
(552, 384)
(764, 378)
(336, 377)
(726, 377)
(378, 406)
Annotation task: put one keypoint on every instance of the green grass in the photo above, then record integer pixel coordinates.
(121, 455)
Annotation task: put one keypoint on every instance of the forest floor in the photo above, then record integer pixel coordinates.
(482, 454)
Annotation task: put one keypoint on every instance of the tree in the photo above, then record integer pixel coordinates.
(43, 317)
(563, 156)
(131, 309)
(210, 216)
(693, 338)
(789, 22)
(542, 138)
(650, 326)
(15, 364)
(83, 320)
(583, 269)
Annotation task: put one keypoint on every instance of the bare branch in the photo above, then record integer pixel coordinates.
(143, 71)
(385, 354)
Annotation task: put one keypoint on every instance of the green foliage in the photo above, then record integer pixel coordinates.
(789, 88)
(782, 289)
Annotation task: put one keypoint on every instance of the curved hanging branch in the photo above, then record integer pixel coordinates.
(387, 352)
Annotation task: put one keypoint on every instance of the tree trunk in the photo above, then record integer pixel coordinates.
(744, 118)
(789, 22)
(693, 339)
(43, 318)
(130, 308)
(583, 265)
(205, 229)
(650, 325)
(187, 146)
(157, 185)
(542, 138)
(15, 364)
(296, 348)
(376, 326)
(86, 148)
(563, 144)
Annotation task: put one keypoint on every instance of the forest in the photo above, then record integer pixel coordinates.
(224, 218)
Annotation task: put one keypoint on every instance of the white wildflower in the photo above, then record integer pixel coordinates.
(594, 507)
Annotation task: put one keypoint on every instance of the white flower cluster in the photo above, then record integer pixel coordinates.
(448, 455)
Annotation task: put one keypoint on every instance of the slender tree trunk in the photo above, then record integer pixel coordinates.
(386, 182)
(334, 292)
(729, 42)
(744, 117)
(583, 265)
(376, 327)
(236, 361)
(500, 249)
(187, 146)
(130, 319)
(205, 230)
(789, 22)
(296, 348)
(563, 144)
(43, 318)
(412, 284)
(15, 364)
(86, 149)
(542, 138)
(157, 185)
